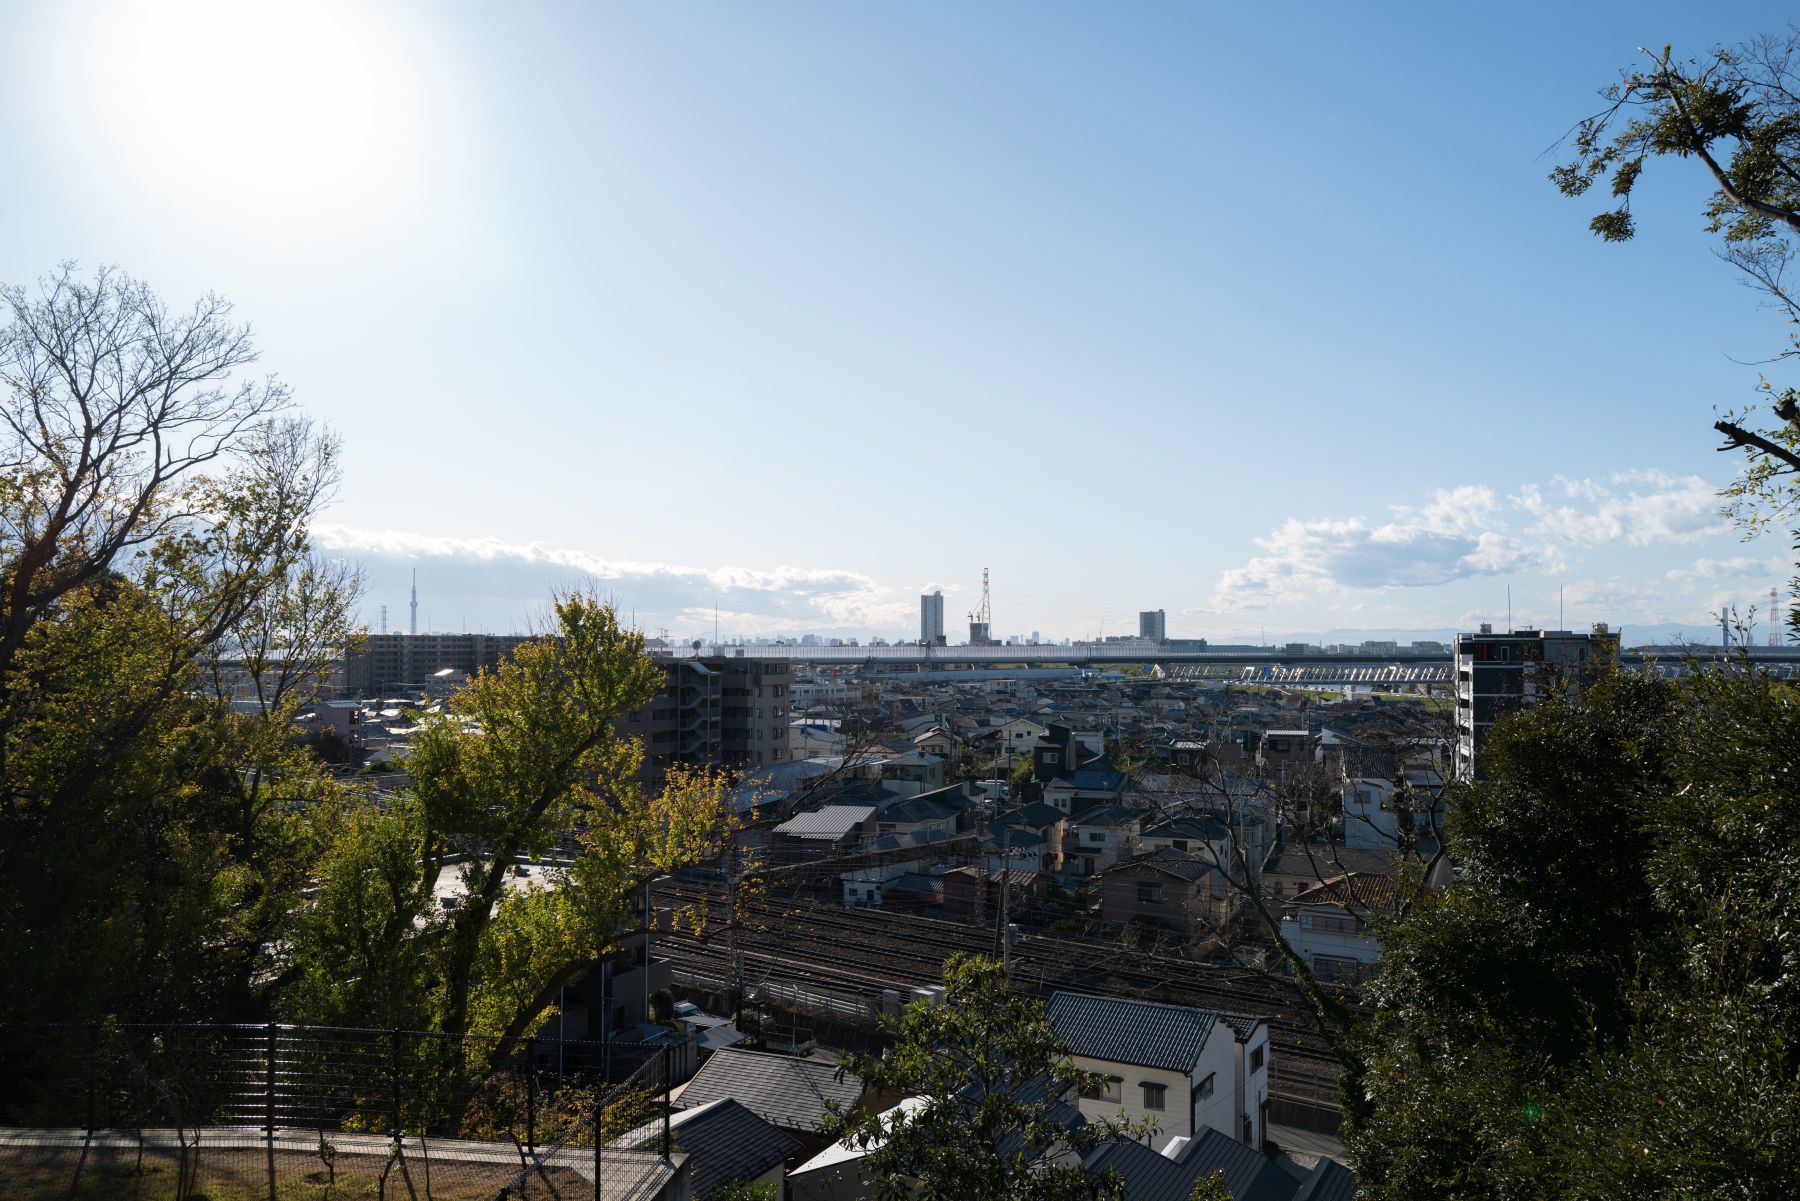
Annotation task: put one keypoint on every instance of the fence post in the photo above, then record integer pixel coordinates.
(394, 1079)
(666, 1052)
(93, 1053)
(269, 1106)
(269, 1082)
(531, 1094)
(599, 1112)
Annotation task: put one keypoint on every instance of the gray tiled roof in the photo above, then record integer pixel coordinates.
(1242, 1024)
(1328, 1181)
(1179, 864)
(1146, 1033)
(723, 1141)
(787, 1091)
(1148, 1176)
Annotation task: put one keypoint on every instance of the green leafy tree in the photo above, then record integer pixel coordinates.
(747, 1190)
(525, 761)
(1609, 1005)
(1734, 112)
(151, 503)
(990, 1069)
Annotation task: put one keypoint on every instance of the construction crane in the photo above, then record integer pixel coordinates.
(982, 619)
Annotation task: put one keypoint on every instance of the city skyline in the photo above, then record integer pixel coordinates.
(1019, 290)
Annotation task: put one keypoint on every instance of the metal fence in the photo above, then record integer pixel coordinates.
(276, 1111)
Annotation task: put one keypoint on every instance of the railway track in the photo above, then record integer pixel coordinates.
(867, 952)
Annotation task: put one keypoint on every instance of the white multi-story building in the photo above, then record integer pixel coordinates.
(931, 619)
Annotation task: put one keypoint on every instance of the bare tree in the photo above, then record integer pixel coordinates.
(112, 403)
(1304, 805)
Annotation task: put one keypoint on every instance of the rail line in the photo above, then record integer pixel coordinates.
(867, 952)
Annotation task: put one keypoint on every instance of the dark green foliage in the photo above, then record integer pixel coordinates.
(1734, 114)
(1609, 1005)
(989, 1067)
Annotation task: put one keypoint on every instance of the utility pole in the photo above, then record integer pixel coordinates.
(1005, 890)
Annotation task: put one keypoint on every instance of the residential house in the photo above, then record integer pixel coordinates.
(1327, 925)
(920, 814)
(1084, 788)
(1292, 869)
(1031, 838)
(1171, 1174)
(1393, 800)
(912, 773)
(1166, 890)
(936, 741)
(863, 886)
(830, 830)
(725, 1143)
(1015, 737)
(1287, 752)
(972, 894)
(1228, 837)
(1187, 1070)
(1095, 839)
(784, 1090)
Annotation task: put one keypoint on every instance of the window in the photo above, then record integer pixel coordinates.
(1179, 844)
(1101, 1088)
(1204, 1089)
(1154, 1095)
(1148, 893)
(1256, 1059)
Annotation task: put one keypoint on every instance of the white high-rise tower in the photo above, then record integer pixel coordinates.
(931, 619)
(414, 628)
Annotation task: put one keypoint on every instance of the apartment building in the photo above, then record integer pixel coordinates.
(1497, 674)
(386, 663)
(719, 711)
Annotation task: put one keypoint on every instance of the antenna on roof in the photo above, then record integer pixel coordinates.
(1509, 628)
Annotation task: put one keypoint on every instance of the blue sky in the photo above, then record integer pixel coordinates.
(1263, 315)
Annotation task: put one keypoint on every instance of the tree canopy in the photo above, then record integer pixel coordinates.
(1609, 1004)
(988, 1070)
(170, 846)
(1735, 112)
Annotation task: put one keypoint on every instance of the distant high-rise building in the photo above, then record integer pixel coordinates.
(1497, 674)
(931, 619)
(1152, 625)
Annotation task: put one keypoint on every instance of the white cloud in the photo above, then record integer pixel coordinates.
(1470, 531)
(1639, 508)
(1738, 567)
(501, 584)
(1310, 558)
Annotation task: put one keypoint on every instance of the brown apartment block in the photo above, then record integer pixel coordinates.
(720, 711)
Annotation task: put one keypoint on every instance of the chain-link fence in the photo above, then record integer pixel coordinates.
(210, 1112)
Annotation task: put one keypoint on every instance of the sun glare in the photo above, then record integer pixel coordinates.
(301, 120)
